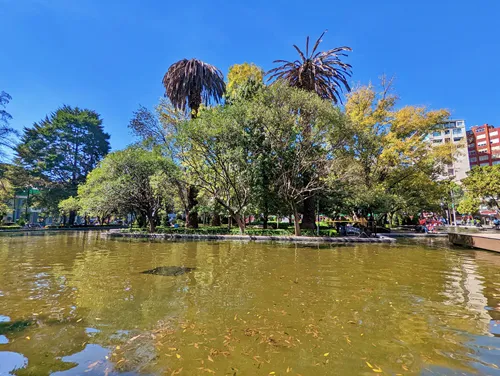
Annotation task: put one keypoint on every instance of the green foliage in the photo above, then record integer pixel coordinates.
(469, 205)
(71, 204)
(389, 165)
(483, 183)
(133, 180)
(59, 152)
(6, 132)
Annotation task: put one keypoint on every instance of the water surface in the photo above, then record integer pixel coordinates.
(76, 304)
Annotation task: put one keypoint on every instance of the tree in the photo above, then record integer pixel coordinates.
(390, 165)
(469, 205)
(240, 74)
(189, 84)
(62, 149)
(217, 157)
(6, 132)
(483, 183)
(323, 73)
(69, 207)
(284, 113)
(133, 180)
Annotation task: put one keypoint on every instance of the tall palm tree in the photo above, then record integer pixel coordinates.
(322, 72)
(189, 83)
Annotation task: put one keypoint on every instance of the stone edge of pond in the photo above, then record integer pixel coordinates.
(296, 239)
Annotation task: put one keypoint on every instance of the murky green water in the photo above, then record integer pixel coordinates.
(75, 304)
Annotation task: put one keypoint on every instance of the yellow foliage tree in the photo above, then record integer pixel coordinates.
(239, 74)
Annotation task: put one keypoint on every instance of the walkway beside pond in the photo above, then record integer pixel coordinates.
(296, 239)
(489, 242)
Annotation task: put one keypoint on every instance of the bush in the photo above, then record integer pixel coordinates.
(9, 227)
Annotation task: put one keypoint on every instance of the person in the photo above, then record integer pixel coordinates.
(496, 223)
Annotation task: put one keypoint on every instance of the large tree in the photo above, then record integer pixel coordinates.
(62, 149)
(390, 166)
(483, 184)
(321, 72)
(189, 84)
(6, 132)
(133, 180)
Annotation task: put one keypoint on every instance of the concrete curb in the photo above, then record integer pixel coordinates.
(296, 239)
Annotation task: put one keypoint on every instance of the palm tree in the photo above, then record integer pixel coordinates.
(189, 83)
(322, 72)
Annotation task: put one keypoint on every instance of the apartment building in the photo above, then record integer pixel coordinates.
(483, 144)
(453, 131)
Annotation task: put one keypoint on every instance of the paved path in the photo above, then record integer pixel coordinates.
(489, 242)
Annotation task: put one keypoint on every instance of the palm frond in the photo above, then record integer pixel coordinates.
(189, 83)
(323, 72)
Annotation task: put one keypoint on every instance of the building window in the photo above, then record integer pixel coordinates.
(474, 159)
(484, 164)
(437, 134)
(479, 130)
(480, 137)
(472, 152)
(495, 156)
(495, 141)
(447, 132)
(457, 139)
(495, 148)
(437, 141)
(484, 158)
(446, 140)
(494, 133)
(457, 131)
(495, 162)
(485, 151)
(482, 143)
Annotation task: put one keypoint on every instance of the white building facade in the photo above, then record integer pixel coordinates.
(453, 131)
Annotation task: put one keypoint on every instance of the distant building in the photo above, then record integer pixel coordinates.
(19, 209)
(453, 131)
(483, 143)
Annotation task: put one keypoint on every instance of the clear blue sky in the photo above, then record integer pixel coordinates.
(110, 55)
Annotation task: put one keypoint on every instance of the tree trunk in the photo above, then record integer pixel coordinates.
(240, 221)
(309, 215)
(265, 219)
(296, 222)
(152, 225)
(216, 219)
(192, 215)
(72, 217)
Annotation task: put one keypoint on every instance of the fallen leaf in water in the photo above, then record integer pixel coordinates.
(176, 372)
(28, 338)
(196, 345)
(369, 365)
(326, 354)
(79, 320)
(404, 367)
(118, 347)
(172, 348)
(208, 370)
(178, 356)
(288, 370)
(272, 373)
(378, 370)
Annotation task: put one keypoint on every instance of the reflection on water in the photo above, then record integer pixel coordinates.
(76, 304)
